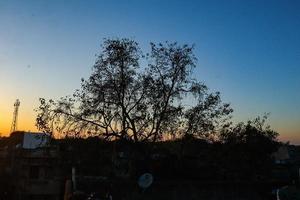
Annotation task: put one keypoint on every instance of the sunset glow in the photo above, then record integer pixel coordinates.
(248, 51)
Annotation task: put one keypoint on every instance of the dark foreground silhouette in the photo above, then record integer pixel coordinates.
(186, 168)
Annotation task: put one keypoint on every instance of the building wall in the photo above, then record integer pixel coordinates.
(36, 174)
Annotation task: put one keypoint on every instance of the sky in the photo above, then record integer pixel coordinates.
(247, 50)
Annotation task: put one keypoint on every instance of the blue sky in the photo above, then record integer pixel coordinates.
(247, 50)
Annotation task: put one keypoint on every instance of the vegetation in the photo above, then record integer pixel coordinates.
(124, 99)
(249, 148)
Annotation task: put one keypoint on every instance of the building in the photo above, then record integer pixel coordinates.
(32, 166)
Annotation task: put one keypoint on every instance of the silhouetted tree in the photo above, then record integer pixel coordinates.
(122, 99)
(248, 148)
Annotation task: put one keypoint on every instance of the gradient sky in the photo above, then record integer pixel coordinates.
(247, 50)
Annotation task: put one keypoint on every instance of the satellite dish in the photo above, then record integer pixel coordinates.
(145, 180)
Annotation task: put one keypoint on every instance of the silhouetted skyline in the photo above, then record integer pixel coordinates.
(249, 51)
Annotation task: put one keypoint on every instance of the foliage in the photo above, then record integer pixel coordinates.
(253, 132)
(248, 148)
(123, 99)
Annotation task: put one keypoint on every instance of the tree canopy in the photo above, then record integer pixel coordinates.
(248, 148)
(138, 97)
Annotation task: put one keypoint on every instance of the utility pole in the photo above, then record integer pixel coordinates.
(15, 116)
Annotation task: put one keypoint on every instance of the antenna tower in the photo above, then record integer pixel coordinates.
(15, 116)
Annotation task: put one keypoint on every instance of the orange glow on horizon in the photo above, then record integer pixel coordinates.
(26, 120)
